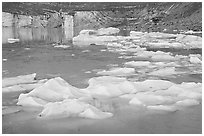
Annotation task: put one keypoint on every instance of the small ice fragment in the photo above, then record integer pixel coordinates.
(87, 72)
(84, 51)
(4, 59)
(12, 40)
(62, 46)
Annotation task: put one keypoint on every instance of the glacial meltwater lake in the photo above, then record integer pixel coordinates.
(38, 52)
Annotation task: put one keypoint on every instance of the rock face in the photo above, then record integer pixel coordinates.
(54, 20)
(145, 16)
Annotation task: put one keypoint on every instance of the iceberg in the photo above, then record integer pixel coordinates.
(56, 89)
(58, 99)
(72, 108)
(107, 86)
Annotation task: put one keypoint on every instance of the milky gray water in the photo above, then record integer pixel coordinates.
(35, 53)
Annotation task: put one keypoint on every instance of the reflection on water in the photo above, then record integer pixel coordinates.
(51, 35)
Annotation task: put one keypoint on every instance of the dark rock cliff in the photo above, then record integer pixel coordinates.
(141, 16)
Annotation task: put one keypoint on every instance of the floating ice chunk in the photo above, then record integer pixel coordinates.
(168, 108)
(192, 86)
(56, 89)
(62, 46)
(108, 31)
(70, 108)
(10, 109)
(62, 109)
(97, 40)
(190, 95)
(87, 32)
(161, 35)
(26, 100)
(190, 40)
(4, 59)
(159, 44)
(187, 102)
(136, 34)
(95, 113)
(136, 101)
(137, 63)
(153, 85)
(164, 72)
(163, 57)
(87, 72)
(85, 51)
(109, 86)
(118, 72)
(11, 40)
(195, 60)
(27, 48)
(181, 92)
(127, 96)
(150, 99)
(114, 44)
(21, 87)
(18, 80)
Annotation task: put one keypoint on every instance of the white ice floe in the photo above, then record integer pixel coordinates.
(12, 40)
(152, 85)
(168, 108)
(59, 99)
(85, 51)
(18, 80)
(164, 72)
(191, 41)
(163, 57)
(108, 31)
(137, 63)
(27, 100)
(136, 34)
(62, 46)
(118, 72)
(22, 87)
(97, 37)
(195, 60)
(107, 86)
(187, 102)
(81, 40)
(150, 99)
(72, 108)
(56, 89)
